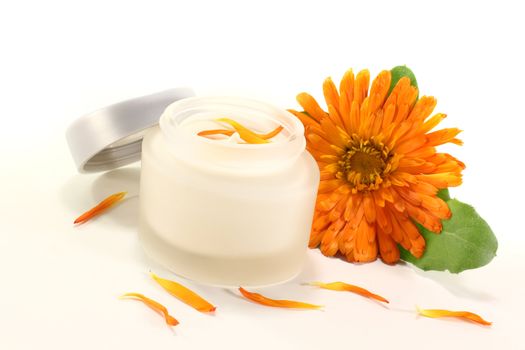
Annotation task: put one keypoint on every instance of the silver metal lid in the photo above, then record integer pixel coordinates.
(111, 137)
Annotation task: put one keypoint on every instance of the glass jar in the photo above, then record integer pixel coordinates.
(224, 212)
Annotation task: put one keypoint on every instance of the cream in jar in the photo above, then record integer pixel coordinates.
(221, 211)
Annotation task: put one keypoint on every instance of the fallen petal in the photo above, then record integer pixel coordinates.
(345, 287)
(154, 305)
(245, 134)
(260, 299)
(184, 294)
(272, 133)
(464, 315)
(100, 207)
(216, 132)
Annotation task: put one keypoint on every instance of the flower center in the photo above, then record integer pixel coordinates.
(364, 163)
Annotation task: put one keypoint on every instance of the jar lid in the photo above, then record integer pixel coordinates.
(111, 137)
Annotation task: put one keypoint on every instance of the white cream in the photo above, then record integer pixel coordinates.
(220, 211)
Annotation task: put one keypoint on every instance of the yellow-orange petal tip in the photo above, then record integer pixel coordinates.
(156, 306)
(462, 315)
(291, 304)
(345, 287)
(184, 294)
(101, 207)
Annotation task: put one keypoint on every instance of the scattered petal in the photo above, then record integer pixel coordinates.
(260, 299)
(226, 132)
(464, 315)
(154, 305)
(216, 132)
(184, 294)
(345, 287)
(100, 207)
(246, 134)
(272, 133)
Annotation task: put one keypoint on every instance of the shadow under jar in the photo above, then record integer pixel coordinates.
(221, 211)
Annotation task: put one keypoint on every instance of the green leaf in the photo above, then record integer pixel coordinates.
(444, 194)
(400, 72)
(466, 242)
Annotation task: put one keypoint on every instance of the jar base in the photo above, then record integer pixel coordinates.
(219, 271)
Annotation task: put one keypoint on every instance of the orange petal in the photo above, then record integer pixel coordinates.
(245, 134)
(361, 83)
(423, 108)
(346, 89)
(260, 299)
(305, 119)
(432, 122)
(216, 132)
(345, 287)
(154, 305)
(272, 133)
(388, 249)
(226, 132)
(379, 90)
(370, 208)
(365, 249)
(311, 106)
(184, 294)
(443, 136)
(100, 207)
(331, 95)
(465, 315)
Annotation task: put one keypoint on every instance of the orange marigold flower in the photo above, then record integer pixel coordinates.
(380, 170)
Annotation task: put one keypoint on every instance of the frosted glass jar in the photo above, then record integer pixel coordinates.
(222, 212)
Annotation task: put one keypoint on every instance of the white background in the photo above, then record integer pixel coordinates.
(59, 60)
